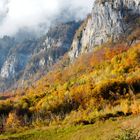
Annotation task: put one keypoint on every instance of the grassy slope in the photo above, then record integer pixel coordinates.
(98, 131)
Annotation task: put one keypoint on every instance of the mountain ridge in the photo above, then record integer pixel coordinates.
(32, 55)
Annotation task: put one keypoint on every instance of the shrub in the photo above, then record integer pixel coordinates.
(13, 121)
(134, 83)
(106, 88)
(128, 134)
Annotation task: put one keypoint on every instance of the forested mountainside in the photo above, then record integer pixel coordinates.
(95, 82)
(110, 21)
(20, 60)
(97, 87)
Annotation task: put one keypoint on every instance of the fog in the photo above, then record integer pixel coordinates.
(38, 15)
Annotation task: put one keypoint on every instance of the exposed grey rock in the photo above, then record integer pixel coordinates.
(17, 59)
(50, 48)
(6, 43)
(107, 21)
(31, 56)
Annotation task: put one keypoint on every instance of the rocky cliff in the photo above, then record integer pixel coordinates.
(109, 20)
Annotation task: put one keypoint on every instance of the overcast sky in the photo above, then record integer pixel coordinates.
(18, 14)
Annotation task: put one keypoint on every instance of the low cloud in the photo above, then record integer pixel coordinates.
(35, 14)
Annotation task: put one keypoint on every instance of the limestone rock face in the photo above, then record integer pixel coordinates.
(109, 20)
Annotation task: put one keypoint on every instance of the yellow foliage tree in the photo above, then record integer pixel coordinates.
(13, 121)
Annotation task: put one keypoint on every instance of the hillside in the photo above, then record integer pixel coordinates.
(22, 59)
(84, 93)
(80, 80)
(26, 57)
(109, 129)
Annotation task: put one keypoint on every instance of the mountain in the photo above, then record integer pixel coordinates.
(110, 20)
(6, 43)
(77, 81)
(21, 59)
(29, 58)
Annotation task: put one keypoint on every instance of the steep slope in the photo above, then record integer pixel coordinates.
(36, 55)
(51, 47)
(110, 20)
(6, 43)
(101, 85)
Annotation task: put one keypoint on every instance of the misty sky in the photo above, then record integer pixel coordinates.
(32, 14)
